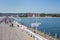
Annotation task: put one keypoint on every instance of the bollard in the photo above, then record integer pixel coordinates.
(55, 35)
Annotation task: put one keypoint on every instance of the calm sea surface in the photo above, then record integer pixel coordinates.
(51, 25)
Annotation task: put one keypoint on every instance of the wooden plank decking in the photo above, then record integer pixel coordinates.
(12, 33)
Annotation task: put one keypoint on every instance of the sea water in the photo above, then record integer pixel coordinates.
(48, 25)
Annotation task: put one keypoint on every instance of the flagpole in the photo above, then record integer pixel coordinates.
(36, 22)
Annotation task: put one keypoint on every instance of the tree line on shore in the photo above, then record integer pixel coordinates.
(31, 14)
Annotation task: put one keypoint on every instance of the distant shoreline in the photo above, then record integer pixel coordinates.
(37, 17)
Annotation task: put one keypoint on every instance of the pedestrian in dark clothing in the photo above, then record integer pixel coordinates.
(12, 24)
(17, 25)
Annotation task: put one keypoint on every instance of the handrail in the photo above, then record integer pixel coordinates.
(34, 35)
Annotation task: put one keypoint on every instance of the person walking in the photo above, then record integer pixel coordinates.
(12, 24)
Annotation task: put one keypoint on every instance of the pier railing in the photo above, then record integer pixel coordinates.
(32, 34)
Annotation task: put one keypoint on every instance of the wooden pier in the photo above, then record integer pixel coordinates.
(12, 33)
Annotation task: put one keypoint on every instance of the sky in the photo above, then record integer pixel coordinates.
(29, 6)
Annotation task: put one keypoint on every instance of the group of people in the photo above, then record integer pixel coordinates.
(11, 24)
(8, 20)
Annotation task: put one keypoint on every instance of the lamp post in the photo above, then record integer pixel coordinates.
(36, 24)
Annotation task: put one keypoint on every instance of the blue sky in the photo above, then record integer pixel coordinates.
(30, 6)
